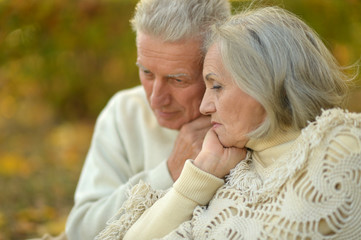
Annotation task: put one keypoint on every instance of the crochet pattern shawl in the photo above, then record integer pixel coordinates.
(314, 192)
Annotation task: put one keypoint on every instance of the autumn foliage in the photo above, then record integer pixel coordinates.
(60, 62)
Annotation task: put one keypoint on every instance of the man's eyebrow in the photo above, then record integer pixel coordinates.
(168, 76)
(141, 66)
(177, 75)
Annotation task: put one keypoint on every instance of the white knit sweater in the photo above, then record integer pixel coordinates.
(305, 187)
(128, 145)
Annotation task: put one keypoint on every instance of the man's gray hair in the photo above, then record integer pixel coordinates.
(175, 20)
(277, 59)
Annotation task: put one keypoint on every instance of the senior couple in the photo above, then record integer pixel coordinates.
(235, 133)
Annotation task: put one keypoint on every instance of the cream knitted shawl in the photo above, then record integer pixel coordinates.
(314, 192)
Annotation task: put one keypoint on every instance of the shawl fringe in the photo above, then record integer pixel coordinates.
(141, 197)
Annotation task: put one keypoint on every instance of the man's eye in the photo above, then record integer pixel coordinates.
(180, 83)
(147, 74)
(177, 81)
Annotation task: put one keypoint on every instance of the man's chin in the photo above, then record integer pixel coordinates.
(175, 125)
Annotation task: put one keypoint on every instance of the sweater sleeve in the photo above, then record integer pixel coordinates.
(194, 187)
(108, 173)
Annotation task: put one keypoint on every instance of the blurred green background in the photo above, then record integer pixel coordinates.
(60, 62)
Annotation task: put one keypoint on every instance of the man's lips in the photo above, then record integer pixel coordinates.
(166, 114)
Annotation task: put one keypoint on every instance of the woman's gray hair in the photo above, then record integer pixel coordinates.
(175, 20)
(281, 62)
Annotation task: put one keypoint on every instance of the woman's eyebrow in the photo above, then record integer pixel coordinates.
(208, 77)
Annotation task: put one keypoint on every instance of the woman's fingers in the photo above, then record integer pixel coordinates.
(216, 159)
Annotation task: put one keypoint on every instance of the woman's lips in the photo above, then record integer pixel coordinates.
(215, 124)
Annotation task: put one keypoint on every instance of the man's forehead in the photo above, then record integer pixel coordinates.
(152, 46)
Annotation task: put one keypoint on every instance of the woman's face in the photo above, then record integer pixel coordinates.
(233, 112)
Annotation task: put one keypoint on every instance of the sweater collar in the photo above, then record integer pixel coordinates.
(267, 151)
(258, 145)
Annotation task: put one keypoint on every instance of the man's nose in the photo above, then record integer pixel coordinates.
(160, 93)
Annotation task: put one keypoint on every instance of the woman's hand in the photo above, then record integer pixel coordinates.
(216, 159)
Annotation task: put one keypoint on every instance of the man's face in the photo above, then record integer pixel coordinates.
(171, 74)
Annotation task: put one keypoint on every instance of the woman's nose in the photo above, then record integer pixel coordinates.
(207, 106)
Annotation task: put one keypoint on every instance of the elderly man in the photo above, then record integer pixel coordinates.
(147, 132)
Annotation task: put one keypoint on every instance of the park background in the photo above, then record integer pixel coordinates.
(60, 62)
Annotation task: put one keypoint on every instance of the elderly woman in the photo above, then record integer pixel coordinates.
(282, 161)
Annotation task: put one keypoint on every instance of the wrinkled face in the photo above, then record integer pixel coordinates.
(233, 112)
(171, 74)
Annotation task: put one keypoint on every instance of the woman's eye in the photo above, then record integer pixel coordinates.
(216, 87)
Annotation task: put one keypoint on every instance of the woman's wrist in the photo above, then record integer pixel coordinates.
(208, 163)
(196, 184)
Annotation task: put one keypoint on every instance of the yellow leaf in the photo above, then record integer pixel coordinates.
(2, 220)
(13, 164)
(55, 227)
(37, 214)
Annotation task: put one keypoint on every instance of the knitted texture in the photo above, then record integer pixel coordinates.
(141, 197)
(314, 193)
